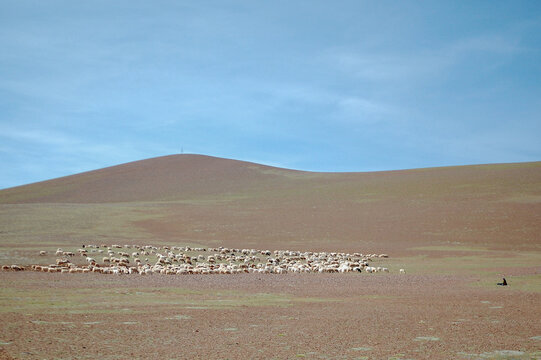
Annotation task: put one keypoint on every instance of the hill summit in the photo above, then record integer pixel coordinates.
(165, 178)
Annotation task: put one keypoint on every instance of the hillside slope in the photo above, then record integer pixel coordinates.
(206, 200)
(164, 178)
(181, 177)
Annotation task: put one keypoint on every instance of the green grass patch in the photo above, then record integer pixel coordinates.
(479, 263)
(95, 300)
(457, 247)
(58, 223)
(502, 355)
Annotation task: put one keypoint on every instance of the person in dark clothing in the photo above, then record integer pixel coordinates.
(504, 283)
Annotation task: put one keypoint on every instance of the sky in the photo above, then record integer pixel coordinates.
(310, 85)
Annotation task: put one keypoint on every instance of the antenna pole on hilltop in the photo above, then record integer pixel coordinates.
(182, 149)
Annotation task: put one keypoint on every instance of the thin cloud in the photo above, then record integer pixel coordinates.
(85, 86)
(42, 137)
(422, 63)
(362, 109)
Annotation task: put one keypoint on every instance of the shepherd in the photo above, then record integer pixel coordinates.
(504, 283)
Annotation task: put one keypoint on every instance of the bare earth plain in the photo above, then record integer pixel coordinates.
(456, 231)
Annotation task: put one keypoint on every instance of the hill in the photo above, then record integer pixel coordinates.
(164, 178)
(207, 200)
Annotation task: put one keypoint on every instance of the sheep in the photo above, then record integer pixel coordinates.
(402, 271)
(220, 260)
(42, 252)
(62, 262)
(123, 262)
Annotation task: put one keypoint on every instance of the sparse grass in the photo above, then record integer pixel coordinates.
(523, 199)
(502, 355)
(529, 283)
(488, 265)
(56, 223)
(488, 205)
(451, 247)
(481, 261)
(133, 300)
(214, 200)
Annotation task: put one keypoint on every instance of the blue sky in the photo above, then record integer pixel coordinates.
(311, 85)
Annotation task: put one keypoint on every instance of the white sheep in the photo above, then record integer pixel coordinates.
(223, 260)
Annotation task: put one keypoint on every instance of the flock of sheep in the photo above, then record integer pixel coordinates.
(175, 260)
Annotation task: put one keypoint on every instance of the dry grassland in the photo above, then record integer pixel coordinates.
(455, 230)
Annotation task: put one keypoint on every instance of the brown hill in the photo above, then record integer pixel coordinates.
(207, 200)
(166, 178)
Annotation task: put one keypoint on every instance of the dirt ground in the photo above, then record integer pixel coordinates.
(456, 231)
(317, 316)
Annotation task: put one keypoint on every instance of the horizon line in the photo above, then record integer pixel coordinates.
(274, 166)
